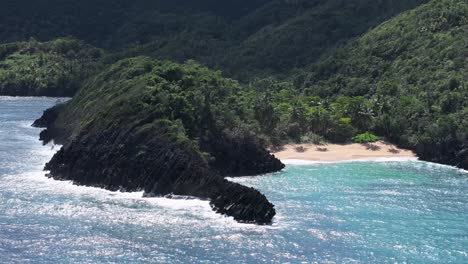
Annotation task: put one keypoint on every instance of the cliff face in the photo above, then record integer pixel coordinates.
(125, 161)
(129, 146)
(463, 157)
(236, 153)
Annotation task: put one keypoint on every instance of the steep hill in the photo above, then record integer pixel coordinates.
(245, 39)
(163, 128)
(293, 34)
(414, 69)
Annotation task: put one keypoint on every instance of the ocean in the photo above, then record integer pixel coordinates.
(350, 212)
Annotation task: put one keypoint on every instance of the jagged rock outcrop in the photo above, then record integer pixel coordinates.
(240, 154)
(462, 157)
(127, 160)
(119, 134)
(52, 133)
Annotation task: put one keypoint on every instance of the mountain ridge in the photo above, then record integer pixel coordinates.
(245, 39)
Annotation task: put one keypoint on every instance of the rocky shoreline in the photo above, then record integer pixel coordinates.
(126, 160)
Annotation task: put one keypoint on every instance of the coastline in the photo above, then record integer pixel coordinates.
(331, 153)
(311, 162)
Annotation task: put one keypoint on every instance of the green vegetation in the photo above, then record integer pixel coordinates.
(297, 33)
(282, 115)
(365, 138)
(187, 102)
(151, 101)
(412, 71)
(244, 39)
(162, 128)
(55, 68)
(309, 71)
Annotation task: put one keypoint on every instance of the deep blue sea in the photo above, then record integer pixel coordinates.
(355, 212)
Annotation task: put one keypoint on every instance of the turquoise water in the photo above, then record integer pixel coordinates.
(361, 212)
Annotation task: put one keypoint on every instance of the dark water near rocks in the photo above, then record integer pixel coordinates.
(358, 212)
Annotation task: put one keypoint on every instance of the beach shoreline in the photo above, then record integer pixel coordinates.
(332, 153)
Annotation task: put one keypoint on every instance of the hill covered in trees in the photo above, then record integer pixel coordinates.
(54, 68)
(163, 128)
(413, 73)
(311, 75)
(405, 80)
(244, 39)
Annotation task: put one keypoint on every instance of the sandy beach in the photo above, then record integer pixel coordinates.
(345, 152)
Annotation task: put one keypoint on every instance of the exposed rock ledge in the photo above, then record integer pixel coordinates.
(126, 160)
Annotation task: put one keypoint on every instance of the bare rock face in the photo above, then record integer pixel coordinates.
(240, 154)
(47, 120)
(127, 159)
(452, 153)
(463, 158)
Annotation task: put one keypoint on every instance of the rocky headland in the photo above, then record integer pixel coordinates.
(164, 128)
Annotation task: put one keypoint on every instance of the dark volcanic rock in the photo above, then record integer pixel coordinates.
(240, 154)
(462, 158)
(129, 161)
(451, 153)
(161, 128)
(244, 204)
(47, 120)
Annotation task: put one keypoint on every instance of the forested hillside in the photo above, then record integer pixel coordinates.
(412, 73)
(245, 39)
(308, 71)
(54, 68)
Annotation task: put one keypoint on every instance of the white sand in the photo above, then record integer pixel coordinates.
(308, 153)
